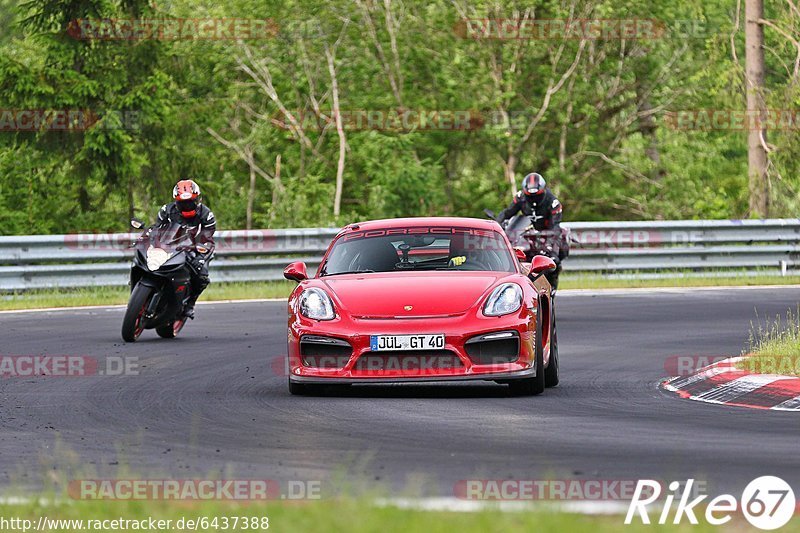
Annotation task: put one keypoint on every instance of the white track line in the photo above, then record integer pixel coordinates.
(789, 405)
(670, 290)
(457, 505)
(123, 306)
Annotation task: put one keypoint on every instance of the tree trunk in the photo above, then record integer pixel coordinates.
(647, 125)
(509, 168)
(276, 190)
(337, 197)
(131, 202)
(251, 195)
(756, 109)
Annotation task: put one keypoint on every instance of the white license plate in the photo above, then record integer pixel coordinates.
(386, 343)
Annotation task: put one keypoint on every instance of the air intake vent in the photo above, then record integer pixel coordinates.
(324, 352)
(493, 348)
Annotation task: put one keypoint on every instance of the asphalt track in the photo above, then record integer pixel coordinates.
(211, 404)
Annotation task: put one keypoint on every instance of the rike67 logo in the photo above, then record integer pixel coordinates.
(768, 503)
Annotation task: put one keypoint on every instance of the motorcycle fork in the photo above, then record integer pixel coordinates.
(150, 312)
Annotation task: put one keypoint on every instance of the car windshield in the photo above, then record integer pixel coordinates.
(419, 248)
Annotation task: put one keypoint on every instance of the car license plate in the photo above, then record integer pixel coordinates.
(406, 342)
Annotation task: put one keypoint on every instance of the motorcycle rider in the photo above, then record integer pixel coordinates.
(538, 202)
(188, 209)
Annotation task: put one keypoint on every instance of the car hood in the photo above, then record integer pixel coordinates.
(429, 294)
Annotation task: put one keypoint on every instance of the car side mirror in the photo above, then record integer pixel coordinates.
(136, 223)
(520, 255)
(542, 264)
(296, 272)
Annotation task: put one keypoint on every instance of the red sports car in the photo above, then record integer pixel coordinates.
(422, 299)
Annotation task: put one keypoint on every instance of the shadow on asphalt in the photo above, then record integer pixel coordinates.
(437, 391)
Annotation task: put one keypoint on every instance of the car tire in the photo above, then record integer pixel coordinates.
(551, 372)
(535, 385)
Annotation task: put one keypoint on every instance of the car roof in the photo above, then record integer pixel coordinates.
(463, 222)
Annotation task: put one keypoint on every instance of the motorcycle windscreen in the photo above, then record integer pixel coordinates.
(516, 227)
(171, 237)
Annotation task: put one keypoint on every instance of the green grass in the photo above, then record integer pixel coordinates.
(38, 299)
(348, 515)
(774, 346)
(590, 281)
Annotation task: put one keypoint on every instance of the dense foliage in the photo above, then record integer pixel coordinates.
(252, 120)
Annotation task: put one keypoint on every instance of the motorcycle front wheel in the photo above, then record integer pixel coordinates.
(134, 316)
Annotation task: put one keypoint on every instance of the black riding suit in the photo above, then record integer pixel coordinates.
(545, 212)
(202, 227)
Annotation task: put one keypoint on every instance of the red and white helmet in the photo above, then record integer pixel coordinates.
(533, 184)
(186, 194)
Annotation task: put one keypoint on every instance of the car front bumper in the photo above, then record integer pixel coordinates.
(457, 330)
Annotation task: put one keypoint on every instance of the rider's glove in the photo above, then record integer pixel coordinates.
(197, 261)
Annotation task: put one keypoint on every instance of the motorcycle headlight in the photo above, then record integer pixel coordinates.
(156, 257)
(505, 299)
(316, 305)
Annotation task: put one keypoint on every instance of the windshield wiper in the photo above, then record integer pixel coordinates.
(430, 264)
(325, 274)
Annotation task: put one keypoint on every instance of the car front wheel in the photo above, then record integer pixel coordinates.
(535, 385)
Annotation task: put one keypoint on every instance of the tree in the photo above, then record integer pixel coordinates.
(756, 108)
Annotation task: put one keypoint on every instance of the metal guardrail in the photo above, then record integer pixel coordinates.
(695, 247)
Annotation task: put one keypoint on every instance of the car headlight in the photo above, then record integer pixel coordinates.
(156, 257)
(316, 305)
(505, 299)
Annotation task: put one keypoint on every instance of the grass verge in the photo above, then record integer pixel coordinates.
(774, 346)
(353, 516)
(38, 299)
(588, 281)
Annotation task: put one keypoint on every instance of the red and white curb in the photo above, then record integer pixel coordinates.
(723, 383)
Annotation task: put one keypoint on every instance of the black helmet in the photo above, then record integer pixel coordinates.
(533, 184)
